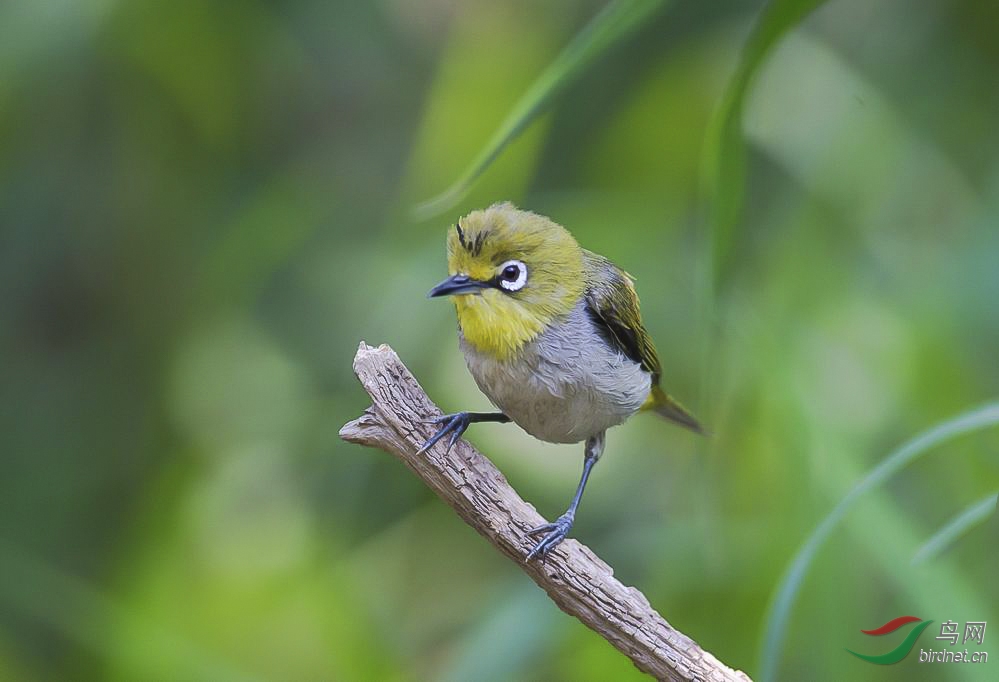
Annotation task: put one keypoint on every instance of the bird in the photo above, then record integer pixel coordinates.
(552, 334)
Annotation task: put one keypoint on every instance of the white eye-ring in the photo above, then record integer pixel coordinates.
(513, 275)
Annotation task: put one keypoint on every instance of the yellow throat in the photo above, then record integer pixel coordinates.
(500, 322)
(495, 326)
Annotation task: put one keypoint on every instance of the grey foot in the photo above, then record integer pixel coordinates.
(556, 533)
(454, 424)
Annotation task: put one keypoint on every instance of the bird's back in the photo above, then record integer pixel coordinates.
(612, 303)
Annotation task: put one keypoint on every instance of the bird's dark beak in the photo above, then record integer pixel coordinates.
(455, 285)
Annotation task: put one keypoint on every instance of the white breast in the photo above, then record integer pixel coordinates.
(566, 385)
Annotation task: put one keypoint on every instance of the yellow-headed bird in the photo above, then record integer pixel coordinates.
(552, 335)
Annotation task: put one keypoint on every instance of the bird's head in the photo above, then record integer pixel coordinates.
(512, 273)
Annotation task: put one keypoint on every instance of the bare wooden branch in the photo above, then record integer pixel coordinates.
(576, 580)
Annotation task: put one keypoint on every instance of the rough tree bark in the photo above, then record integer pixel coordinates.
(576, 580)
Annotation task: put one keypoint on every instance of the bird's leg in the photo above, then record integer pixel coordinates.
(557, 531)
(456, 423)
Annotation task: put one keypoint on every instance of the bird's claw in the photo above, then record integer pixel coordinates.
(455, 424)
(556, 533)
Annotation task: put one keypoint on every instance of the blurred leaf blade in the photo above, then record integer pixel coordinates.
(725, 152)
(973, 515)
(613, 24)
(787, 590)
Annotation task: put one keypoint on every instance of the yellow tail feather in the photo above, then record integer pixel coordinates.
(668, 408)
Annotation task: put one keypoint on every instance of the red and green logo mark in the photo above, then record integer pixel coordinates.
(903, 649)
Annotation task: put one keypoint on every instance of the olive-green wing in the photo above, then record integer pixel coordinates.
(613, 305)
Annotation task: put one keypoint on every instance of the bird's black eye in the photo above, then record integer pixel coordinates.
(513, 275)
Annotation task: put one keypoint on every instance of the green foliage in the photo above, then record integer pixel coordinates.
(205, 206)
(725, 149)
(614, 23)
(973, 515)
(790, 584)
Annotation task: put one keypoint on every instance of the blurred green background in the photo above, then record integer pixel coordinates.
(205, 206)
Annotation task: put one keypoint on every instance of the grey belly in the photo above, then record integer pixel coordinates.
(565, 386)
